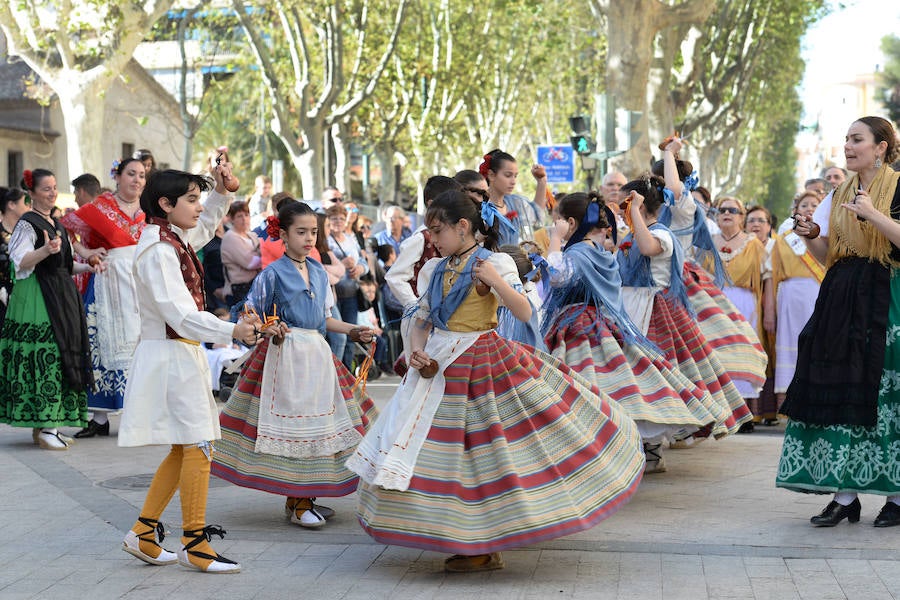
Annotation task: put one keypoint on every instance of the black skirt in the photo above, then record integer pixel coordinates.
(840, 355)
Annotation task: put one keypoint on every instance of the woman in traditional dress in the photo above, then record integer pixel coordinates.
(744, 257)
(109, 227)
(45, 358)
(274, 439)
(796, 277)
(462, 460)
(843, 436)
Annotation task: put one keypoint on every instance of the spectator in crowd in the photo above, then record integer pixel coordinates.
(817, 185)
(835, 176)
(260, 202)
(146, 157)
(86, 187)
(331, 196)
(394, 233)
(240, 254)
(347, 250)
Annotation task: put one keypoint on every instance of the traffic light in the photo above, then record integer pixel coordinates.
(582, 142)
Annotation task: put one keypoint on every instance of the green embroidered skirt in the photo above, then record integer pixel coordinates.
(851, 458)
(33, 392)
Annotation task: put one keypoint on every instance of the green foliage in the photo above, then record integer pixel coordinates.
(740, 102)
(889, 78)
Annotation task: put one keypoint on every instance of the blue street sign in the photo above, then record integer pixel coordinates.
(559, 162)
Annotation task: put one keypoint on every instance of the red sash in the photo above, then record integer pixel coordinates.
(100, 224)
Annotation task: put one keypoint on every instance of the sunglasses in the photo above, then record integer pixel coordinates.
(479, 191)
(729, 210)
(365, 227)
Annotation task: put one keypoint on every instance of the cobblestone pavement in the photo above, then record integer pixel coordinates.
(713, 526)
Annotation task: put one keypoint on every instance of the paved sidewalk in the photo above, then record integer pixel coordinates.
(713, 526)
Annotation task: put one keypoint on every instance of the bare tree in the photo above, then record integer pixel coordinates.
(77, 48)
(304, 69)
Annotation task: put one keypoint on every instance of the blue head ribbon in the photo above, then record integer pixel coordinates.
(692, 181)
(590, 220)
(668, 196)
(490, 214)
(540, 266)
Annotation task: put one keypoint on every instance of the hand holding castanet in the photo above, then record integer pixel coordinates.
(231, 182)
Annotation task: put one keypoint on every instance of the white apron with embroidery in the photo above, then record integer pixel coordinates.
(387, 455)
(302, 412)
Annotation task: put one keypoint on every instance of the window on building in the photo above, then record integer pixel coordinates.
(15, 164)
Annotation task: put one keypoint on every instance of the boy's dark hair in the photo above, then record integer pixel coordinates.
(169, 184)
(437, 185)
(87, 182)
(384, 252)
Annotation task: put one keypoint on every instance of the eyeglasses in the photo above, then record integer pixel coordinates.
(753, 220)
(730, 210)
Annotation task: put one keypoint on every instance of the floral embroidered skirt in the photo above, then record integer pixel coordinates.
(851, 458)
(33, 391)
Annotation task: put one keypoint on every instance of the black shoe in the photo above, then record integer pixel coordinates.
(889, 515)
(93, 428)
(834, 513)
(747, 427)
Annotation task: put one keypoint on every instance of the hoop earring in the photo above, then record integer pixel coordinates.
(878, 163)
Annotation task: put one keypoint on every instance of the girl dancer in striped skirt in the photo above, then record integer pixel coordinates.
(485, 445)
(588, 329)
(651, 263)
(293, 418)
(726, 330)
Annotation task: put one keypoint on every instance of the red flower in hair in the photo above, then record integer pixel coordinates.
(273, 227)
(485, 165)
(28, 179)
(512, 215)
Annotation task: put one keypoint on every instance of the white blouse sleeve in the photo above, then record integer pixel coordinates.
(506, 268)
(329, 301)
(160, 271)
(401, 272)
(21, 242)
(560, 271)
(214, 210)
(823, 215)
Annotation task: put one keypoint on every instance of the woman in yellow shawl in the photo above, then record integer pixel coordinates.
(744, 257)
(843, 436)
